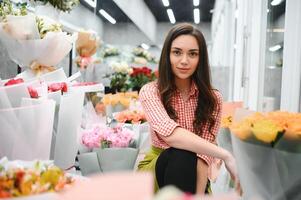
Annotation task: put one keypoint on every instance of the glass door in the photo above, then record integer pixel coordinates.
(273, 55)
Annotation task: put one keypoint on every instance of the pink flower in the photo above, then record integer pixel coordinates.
(115, 137)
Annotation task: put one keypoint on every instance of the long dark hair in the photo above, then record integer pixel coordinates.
(207, 101)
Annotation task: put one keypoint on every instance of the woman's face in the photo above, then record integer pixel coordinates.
(184, 56)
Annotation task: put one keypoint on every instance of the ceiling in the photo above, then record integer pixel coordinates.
(182, 9)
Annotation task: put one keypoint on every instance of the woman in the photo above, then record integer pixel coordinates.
(184, 113)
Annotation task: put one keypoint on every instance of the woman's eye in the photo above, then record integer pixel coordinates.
(177, 53)
(193, 54)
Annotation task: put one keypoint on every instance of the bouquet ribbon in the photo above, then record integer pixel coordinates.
(39, 69)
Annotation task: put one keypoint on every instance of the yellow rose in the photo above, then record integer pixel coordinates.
(265, 130)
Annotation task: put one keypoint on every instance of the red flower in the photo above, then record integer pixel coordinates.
(57, 86)
(33, 92)
(14, 81)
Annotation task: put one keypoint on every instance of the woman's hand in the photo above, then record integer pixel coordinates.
(231, 167)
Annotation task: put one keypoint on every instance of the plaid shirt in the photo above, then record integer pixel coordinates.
(162, 124)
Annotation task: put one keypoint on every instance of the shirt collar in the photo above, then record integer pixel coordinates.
(193, 89)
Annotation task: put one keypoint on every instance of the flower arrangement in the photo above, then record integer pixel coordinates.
(62, 5)
(131, 116)
(226, 121)
(140, 76)
(120, 77)
(16, 182)
(272, 138)
(142, 53)
(86, 46)
(110, 51)
(46, 25)
(268, 128)
(33, 92)
(52, 87)
(122, 98)
(6, 8)
(106, 137)
(20, 33)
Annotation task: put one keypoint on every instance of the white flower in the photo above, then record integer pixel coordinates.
(121, 67)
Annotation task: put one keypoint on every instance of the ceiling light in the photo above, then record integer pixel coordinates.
(165, 3)
(107, 16)
(92, 3)
(196, 2)
(275, 48)
(144, 46)
(196, 14)
(276, 2)
(171, 16)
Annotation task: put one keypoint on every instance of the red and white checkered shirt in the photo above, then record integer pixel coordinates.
(162, 124)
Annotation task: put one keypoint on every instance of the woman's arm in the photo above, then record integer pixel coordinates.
(184, 139)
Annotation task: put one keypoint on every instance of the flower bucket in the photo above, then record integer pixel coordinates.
(116, 159)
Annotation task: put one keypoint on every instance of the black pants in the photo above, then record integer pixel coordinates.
(177, 167)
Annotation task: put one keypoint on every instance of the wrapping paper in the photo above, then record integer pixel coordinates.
(26, 131)
(69, 118)
(11, 96)
(47, 52)
(116, 159)
(21, 27)
(88, 163)
(224, 139)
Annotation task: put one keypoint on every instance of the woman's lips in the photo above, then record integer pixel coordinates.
(183, 69)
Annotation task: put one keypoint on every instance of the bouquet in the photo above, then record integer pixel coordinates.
(110, 51)
(224, 136)
(86, 46)
(62, 5)
(17, 181)
(6, 8)
(142, 56)
(141, 76)
(113, 149)
(106, 137)
(118, 102)
(120, 77)
(132, 117)
(274, 139)
(47, 43)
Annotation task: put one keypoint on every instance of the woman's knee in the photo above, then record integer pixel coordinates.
(180, 155)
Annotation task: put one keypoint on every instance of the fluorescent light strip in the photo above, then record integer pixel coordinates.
(275, 48)
(196, 2)
(107, 16)
(171, 16)
(196, 14)
(276, 2)
(165, 3)
(92, 3)
(144, 46)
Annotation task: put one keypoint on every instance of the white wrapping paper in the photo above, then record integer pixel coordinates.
(26, 131)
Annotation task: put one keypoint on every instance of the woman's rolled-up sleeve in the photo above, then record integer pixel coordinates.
(154, 110)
